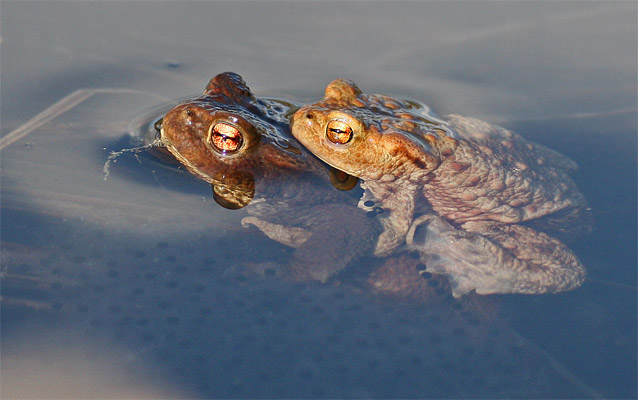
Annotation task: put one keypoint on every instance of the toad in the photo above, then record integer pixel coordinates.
(461, 191)
(242, 146)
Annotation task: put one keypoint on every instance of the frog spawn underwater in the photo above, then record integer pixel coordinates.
(165, 302)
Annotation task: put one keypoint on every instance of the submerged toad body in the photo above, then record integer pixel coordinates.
(459, 190)
(242, 146)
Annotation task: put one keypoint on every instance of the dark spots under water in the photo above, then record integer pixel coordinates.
(232, 322)
(426, 275)
(375, 211)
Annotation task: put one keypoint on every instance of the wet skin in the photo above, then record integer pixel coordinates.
(242, 146)
(460, 191)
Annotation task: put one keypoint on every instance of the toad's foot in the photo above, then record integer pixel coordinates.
(498, 259)
(286, 235)
(400, 277)
(331, 237)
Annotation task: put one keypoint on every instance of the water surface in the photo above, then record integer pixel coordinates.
(126, 295)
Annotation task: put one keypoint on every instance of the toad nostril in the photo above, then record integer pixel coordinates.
(309, 115)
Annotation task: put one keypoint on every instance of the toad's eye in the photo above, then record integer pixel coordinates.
(338, 132)
(226, 138)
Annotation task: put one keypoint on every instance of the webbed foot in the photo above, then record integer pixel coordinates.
(331, 237)
(498, 259)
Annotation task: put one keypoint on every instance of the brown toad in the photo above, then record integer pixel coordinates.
(459, 190)
(243, 147)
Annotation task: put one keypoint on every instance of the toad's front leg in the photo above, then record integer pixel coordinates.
(328, 238)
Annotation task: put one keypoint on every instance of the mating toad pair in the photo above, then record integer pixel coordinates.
(461, 192)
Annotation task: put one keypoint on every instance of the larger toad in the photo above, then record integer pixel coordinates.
(458, 189)
(242, 146)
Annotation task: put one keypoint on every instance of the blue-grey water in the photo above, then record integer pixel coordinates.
(127, 287)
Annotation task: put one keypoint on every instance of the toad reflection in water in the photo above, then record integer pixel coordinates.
(461, 191)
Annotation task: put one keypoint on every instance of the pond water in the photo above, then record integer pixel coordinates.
(127, 287)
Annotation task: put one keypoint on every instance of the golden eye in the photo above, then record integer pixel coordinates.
(338, 132)
(226, 138)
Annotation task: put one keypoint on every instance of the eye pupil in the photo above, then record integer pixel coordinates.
(338, 132)
(225, 137)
